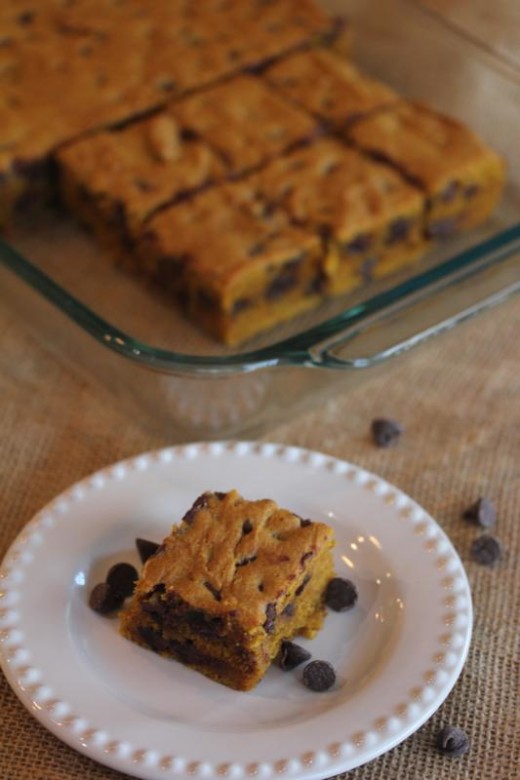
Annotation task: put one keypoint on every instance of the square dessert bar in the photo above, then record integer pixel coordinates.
(245, 121)
(237, 266)
(70, 68)
(232, 581)
(370, 219)
(114, 180)
(461, 177)
(329, 86)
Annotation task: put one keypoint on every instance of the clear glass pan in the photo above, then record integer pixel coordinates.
(122, 335)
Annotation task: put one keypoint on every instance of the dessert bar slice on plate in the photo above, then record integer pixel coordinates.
(232, 581)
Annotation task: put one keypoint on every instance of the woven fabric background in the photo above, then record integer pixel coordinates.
(459, 400)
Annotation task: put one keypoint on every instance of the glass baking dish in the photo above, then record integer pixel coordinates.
(124, 336)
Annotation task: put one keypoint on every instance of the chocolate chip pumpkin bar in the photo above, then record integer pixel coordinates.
(461, 176)
(113, 180)
(245, 122)
(237, 265)
(70, 68)
(329, 86)
(370, 219)
(232, 581)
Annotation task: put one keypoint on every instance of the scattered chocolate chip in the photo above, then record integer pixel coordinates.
(241, 304)
(386, 432)
(340, 594)
(368, 267)
(319, 676)
(146, 549)
(452, 741)
(104, 598)
(304, 522)
(122, 578)
(25, 18)
(481, 512)
(291, 655)
(247, 527)
(486, 550)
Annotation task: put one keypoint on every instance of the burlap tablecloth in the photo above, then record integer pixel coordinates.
(459, 400)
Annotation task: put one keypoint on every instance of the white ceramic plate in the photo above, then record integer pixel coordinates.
(397, 653)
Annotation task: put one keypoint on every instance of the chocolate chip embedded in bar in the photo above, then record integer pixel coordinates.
(249, 269)
(369, 220)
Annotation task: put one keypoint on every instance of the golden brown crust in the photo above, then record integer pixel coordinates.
(245, 121)
(136, 170)
(213, 552)
(329, 86)
(70, 68)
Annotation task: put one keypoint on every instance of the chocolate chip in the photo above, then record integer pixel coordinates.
(291, 655)
(452, 741)
(299, 590)
(470, 191)
(213, 590)
(104, 598)
(289, 610)
(442, 228)
(486, 550)
(449, 193)
(482, 512)
(304, 522)
(247, 527)
(319, 676)
(25, 18)
(270, 618)
(200, 503)
(359, 245)
(386, 432)
(340, 594)
(398, 231)
(122, 578)
(146, 549)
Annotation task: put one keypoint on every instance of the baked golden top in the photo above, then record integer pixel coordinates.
(327, 185)
(329, 86)
(140, 167)
(429, 147)
(245, 121)
(233, 555)
(230, 239)
(67, 68)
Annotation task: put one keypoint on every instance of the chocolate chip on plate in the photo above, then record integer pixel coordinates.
(146, 548)
(291, 655)
(386, 432)
(452, 741)
(122, 578)
(340, 594)
(486, 550)
(319, 676)
(104, 598)
(482, 512)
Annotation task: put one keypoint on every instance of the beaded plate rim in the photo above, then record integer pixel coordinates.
(65, 720)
